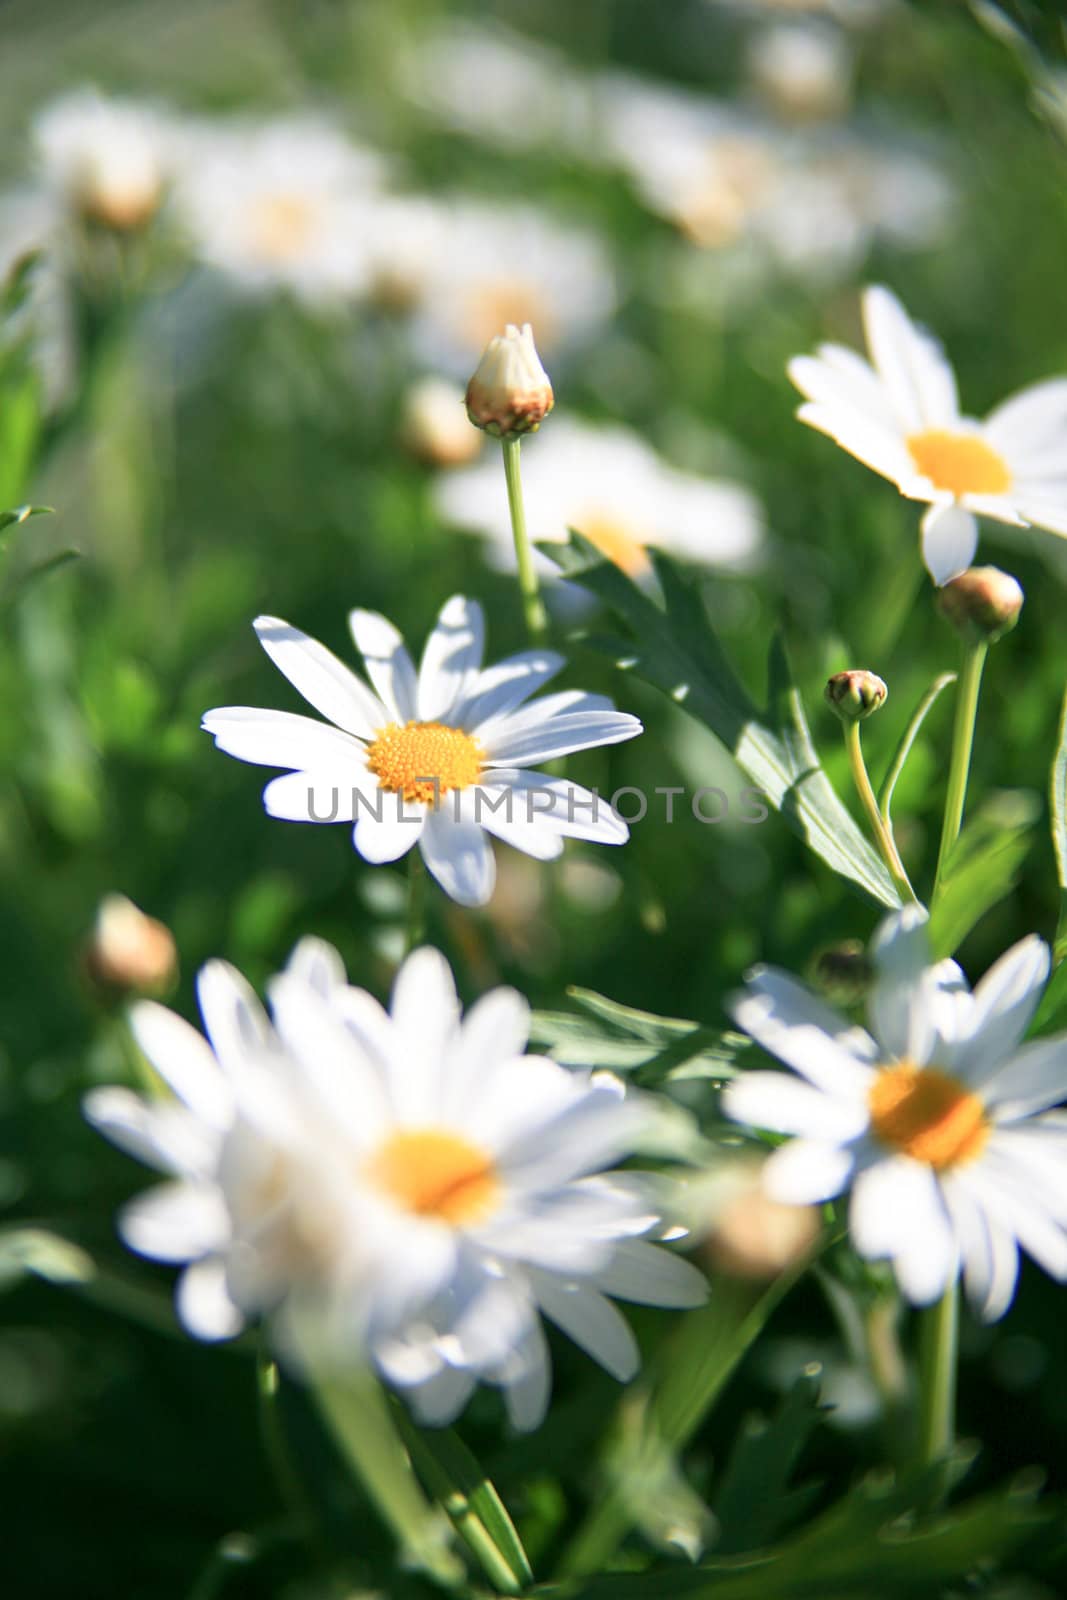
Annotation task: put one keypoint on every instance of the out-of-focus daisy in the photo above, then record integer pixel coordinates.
(405, 1185)
(435, 426)
(109, 159)
(280, 204)
(437, 757)
(613, 488)
(803, 70)
(499, 264)
(498, 85)
(932, 1118)
(899, 413)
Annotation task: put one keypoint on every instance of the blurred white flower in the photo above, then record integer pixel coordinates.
(495, 264)
(900, 415)
(110, 160)
(613, 488)
(405, 1184)
(437, 758)
(282, 204)
(435, 426)
(931, 1119)
(803, 70)
(498, 85)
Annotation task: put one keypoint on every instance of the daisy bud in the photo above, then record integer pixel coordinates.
(983, 603)
(510, 392)
(855, 694)
(754, 1236)
(435, 427)
(129, 951)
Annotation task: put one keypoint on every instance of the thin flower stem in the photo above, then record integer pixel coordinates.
(962, 743)
(276, 1449)
(911, 732)
(415, 929)
(937, 1379)
(532, 604)
(882, 834)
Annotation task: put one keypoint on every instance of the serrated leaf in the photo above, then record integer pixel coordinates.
(754, 1500)
(623, 1039)
(674, 647)
(982, 867)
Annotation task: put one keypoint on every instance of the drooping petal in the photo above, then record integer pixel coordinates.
(458, 856)
(949, 541)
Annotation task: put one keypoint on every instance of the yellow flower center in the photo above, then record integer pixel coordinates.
(928, 1115)
(961, 463)
(281, 226)
(615, 540)
(436, 1174)
(425, 760)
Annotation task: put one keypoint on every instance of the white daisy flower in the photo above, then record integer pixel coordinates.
(802, 69)
(931, 1119)
(110, 160)
(407, 1184)
(496, 264)
(438, 757)
(899, 413)
(613, 488)
(281, 205)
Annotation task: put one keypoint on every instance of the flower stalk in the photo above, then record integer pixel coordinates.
(879, 827)
(532, 605)
(938, 1342)
(970, 684)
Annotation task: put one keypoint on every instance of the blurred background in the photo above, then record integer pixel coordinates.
(253, 252)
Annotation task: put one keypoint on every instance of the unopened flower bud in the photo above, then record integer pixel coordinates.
(510, 392)
(856, 694)
(129, 951)
(435, 426)
(983, 603)
(753, 1236)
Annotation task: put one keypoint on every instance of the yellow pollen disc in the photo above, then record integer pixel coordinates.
(407, 760)
(927, 1115)
(281, 226)
(436, 1174)
(615, 540)
(960, 463)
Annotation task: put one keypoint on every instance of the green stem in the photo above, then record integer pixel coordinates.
(911, 732)
(532, 604)
(275, 1446)
(962, 743)
(882, 833)
(937, 1379)
(357, 1414)
(415, 929)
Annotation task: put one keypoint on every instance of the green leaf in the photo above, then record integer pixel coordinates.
(454, 1477)
(34, 575)
(754, 1502)
(620, 1038)
(11, 519)
(869, 1546)
(674, 647)
(982, 868)
(20, 429)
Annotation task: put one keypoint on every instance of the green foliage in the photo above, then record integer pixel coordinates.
(982, 868)
(675, 648)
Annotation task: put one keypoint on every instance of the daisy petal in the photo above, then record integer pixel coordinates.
(949, 541)
(506, 685)
(561, 736)
(806, 1172)
(184, 1060)
(324, 681)
(781, 1104)
(790, 1023)
(283, 739)
(451, 660)
(649, 1275)
(1004, 1003)
(910, 362)
(389, 834)
(459, 857)
(204, 1305)
(389, 667)
(175, 1222)
(590, 1319)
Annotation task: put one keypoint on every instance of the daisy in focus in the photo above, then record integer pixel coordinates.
(109, 160)
(932, 1119)
(280, 205)
(899, 413)
(439, 757)
(613, 488)
(405, 1185)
